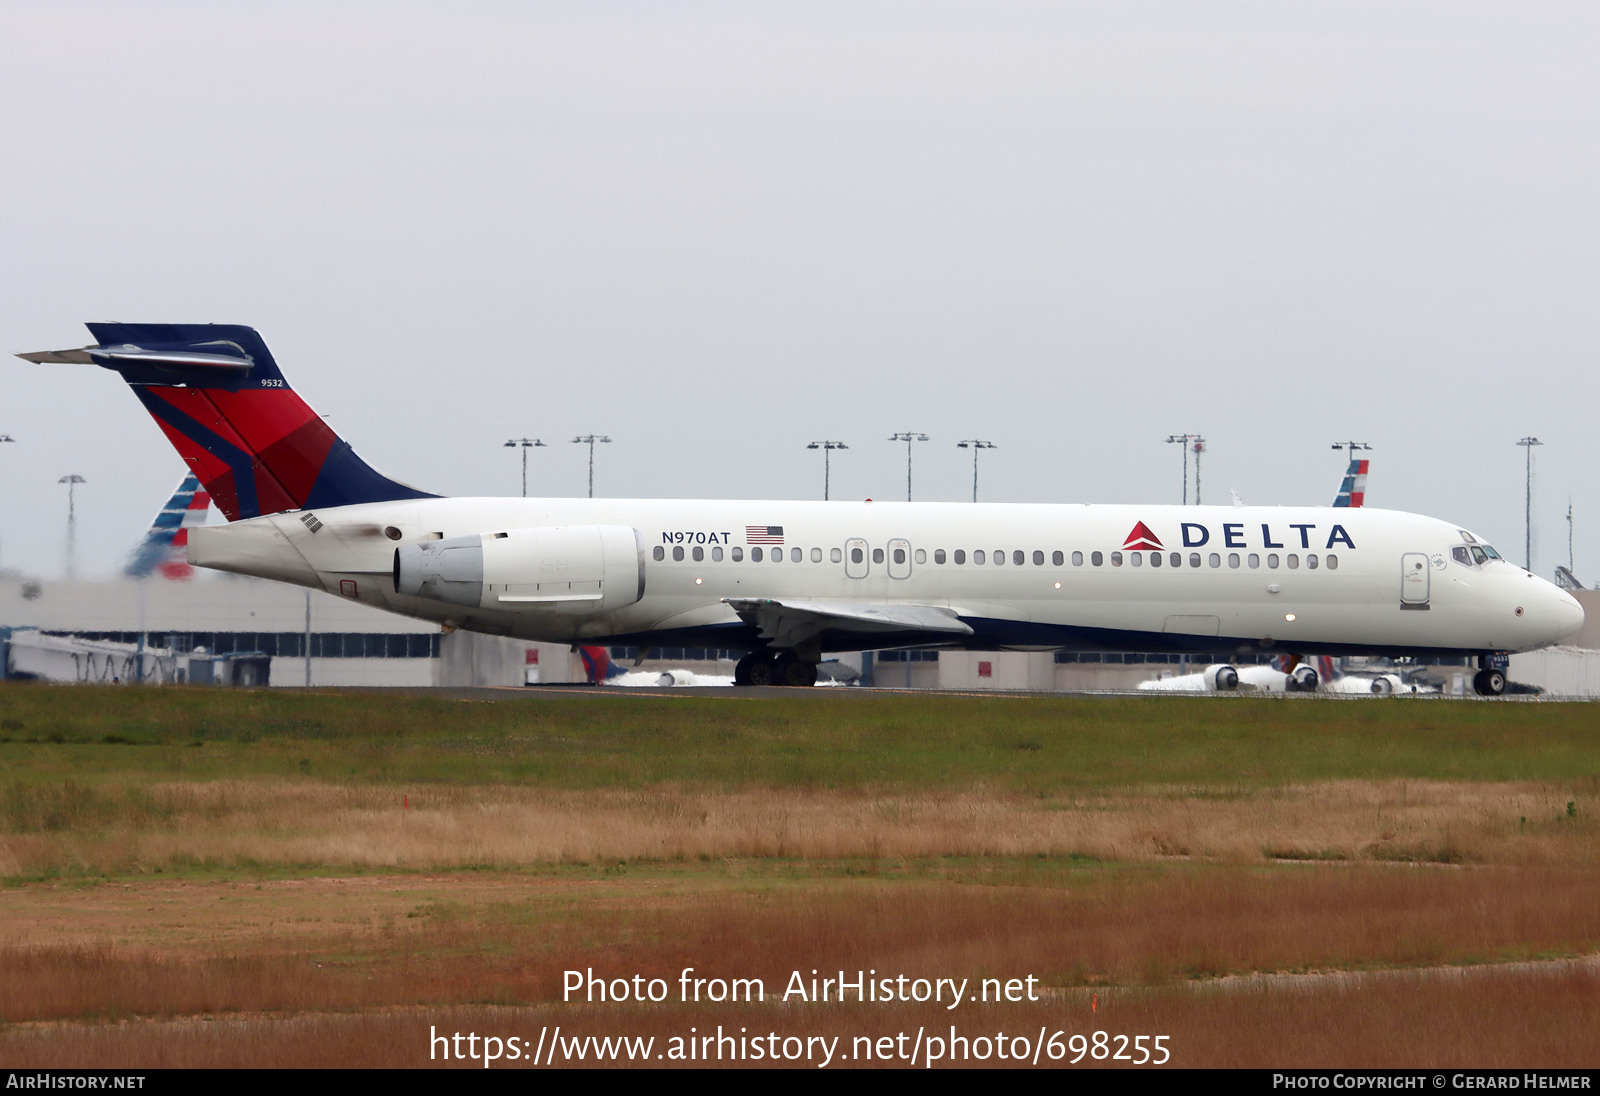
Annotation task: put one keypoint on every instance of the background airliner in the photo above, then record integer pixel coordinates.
(789, 580)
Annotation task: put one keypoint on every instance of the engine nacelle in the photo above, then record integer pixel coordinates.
(1222, 679)
(1302, 679)
(565, 569)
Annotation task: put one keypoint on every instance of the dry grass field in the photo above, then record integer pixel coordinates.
(197, 878)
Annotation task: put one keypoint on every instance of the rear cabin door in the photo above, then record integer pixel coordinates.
(1414, 581)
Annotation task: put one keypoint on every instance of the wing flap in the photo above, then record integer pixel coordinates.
(786, 622)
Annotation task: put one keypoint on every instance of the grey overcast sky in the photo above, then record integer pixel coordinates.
(717, 231)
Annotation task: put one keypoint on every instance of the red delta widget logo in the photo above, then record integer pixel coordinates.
(1307, 534)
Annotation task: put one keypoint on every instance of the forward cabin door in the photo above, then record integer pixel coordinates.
(856, 559)
(1414, 581)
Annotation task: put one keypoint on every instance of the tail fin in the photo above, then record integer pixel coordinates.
(166, 544)
(218, 396)
(1353, 491)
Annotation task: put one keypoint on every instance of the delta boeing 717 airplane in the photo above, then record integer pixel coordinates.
(790, 581)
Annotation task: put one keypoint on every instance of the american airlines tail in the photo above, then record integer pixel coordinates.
(217, 394)
(165, 546)
(1353, 491)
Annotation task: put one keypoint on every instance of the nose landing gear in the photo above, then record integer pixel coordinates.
(1490, 680)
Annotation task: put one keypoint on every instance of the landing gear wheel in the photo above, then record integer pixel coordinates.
(741, 669)
(798, 674)
(761, 670)
(1489, 682)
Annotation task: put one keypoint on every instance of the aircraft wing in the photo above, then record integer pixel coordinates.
(788, 623)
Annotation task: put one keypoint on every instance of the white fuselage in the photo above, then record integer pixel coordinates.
(1295, 579)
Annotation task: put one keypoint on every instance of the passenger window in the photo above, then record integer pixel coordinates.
(1155, 559)
(1215, 560)
(1194, 559)
(1272, 559)
(1311, 562)
(1176, 559)
(1038, 558)
(1136, 559)
(855, 555)
(795, 555)
(738, 554)
(677, 552)
(659, 553)
(699, 554)
(960, 556)
(938, 555)
(1116, 558)
(1233, 560)
(816, 555)
(920, 556)
(1056, 558)
(999, 557)
(1293, 561)
(1077, 559)
(835, 555)
(1018, 558)
(1253, 560)
(979, 558)
(716, 555)
(877, 555)
(1333, 563)
(777, 555)
(899, 555)
(1095, 558)
(755, 555)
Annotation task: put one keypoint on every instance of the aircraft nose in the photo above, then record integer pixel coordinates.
(1568, 615)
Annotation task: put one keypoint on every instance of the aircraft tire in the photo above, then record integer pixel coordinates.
(741, 670)
(762, 670)
(1489, 682)
(796, 673)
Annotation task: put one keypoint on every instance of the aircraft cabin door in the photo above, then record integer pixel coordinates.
(1414, 581)
(899, 558)
(855, 558)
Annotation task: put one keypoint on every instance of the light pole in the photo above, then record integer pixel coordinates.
(1527, 515)
(72, 480)
(5, 438)
(908, 436)
(975, 444)
(1182, 441)
(589, 440)
(827, 448)
(1199, 447)
(525, 444)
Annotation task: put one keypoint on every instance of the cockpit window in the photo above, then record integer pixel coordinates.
(1468, 537)
(1491, 553)
(1479, 555)
(1460, 554)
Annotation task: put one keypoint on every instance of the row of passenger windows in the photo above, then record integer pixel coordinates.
(1018, 557)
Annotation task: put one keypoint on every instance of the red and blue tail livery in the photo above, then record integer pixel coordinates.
(217, 394)
(1353, 491)
(165, 546)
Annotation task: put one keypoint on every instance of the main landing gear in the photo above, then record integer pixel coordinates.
(775, 668)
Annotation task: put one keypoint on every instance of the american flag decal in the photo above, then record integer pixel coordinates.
(763, 534)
